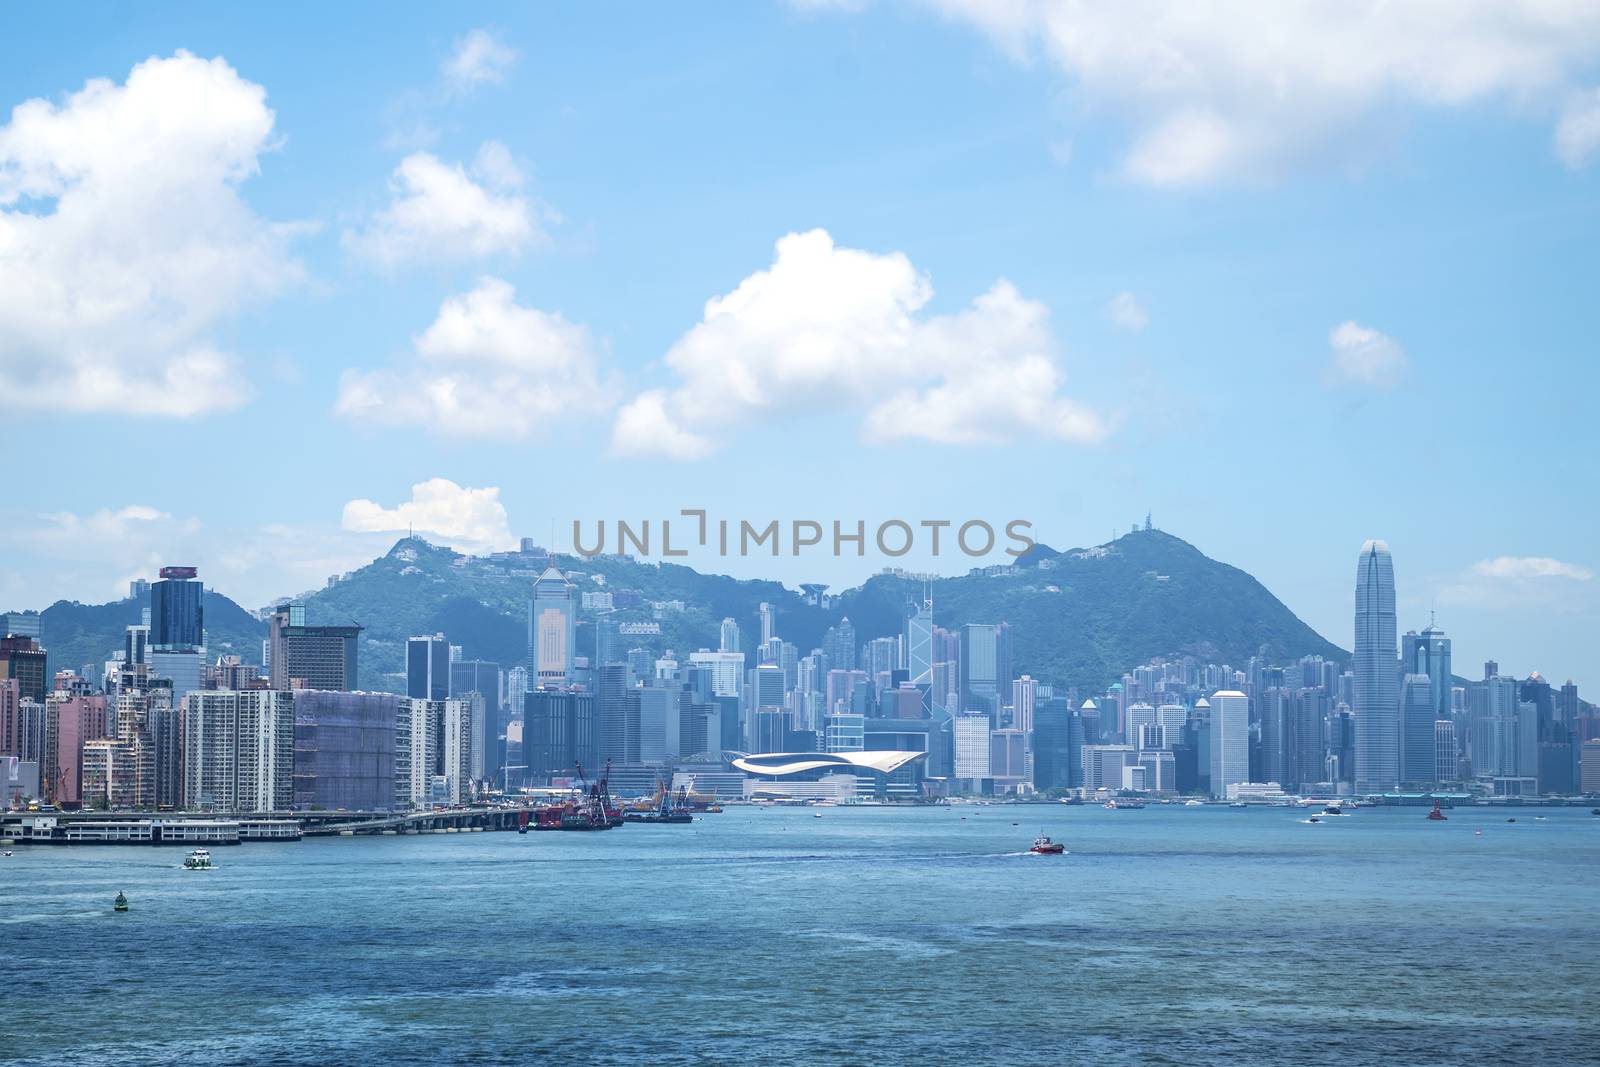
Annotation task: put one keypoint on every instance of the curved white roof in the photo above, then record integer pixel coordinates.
(786, 763)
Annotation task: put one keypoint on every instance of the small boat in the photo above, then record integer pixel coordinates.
(1594, 811)
(816, 815)
(1511, 820)
(6, 853)
(1315, 818)
(120, 904)
(198, 860)
(1437, 815)
(1043, 846)
(1333, 809)
(1194, 803)
(1478, 832)
(714, 809)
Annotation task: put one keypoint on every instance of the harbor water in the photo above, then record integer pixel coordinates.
(1169, 935)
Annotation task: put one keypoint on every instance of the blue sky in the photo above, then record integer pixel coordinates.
(1286, 287)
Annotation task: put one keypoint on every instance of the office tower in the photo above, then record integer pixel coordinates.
(972, 749)
(139, 589)
(1102, 766)
(660, 731)
(21, 658)
(726, 670)
(1444, 751)
(919, 642)
(839, 645)
(1057, 745)
(550, 631)
(729, 637)
(477, 676)
(1008, 759)
(770, 651)
(1377, 705)
(185, 668)
(516, 684)
(310, 657)
(1429, 653)
(977, 672)
(428, 667)
(1418, 713)
(22, 624)
(177, 611)
(238, 750)
(558, 734)
(344, 750)
(615, 693)
(769, 622)
(1230, 742)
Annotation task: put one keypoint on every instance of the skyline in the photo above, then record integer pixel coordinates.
(1376, 330)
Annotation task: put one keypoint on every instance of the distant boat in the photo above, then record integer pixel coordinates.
(1194, 803)
(1238, 804)
(1437, 815)
(120, 904)
(198, 860)
(1315, 818)
(1043, 846)
(1125, 805)
(1333, 809)
(6, 853)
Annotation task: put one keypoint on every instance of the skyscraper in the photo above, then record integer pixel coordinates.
(1230, 740)
(177, 611)
(1418, 713)
(310, 657)
(1429, 653)
(550, 631)
(1377, 706)
(729, 637)
(428, 667)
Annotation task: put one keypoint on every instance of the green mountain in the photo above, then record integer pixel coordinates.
(1081, 617)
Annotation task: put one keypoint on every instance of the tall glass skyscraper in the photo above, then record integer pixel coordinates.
(1377, 707)
(177, 611)
(550, 631)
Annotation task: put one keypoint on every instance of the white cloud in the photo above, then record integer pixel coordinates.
(1236, 88)
(1518, 567)
(828, 328)
(443, 211)
(124, 243)
(486, 367)
(1578, 132)
(1365, 357)
(469, 520)
(476, 59)
(1126, 311)
(92, 557)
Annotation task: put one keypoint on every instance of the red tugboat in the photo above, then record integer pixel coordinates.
(1436, 815)
(1043, 846)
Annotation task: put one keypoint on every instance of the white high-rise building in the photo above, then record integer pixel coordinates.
(727, 669)
(238, 749)
(729, 641)
(971, 738)
(1230, 740)
(1377, 683)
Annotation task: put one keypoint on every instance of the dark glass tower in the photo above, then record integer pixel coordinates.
(177, 611)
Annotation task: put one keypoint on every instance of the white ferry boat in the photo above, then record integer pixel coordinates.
(198, 860)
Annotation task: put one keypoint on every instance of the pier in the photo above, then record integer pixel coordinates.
(232, 828)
